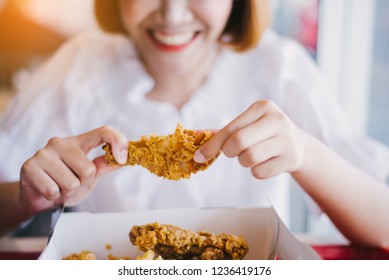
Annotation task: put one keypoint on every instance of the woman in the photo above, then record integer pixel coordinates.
(198, 63)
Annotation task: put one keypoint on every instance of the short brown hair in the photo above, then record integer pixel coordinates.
(247, 22)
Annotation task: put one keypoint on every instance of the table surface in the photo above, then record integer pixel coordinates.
(29, 248)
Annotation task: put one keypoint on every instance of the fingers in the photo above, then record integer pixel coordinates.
(62, 172)
(259, 153)
(81, 172)
(103, 135)
(262, 138)
(254, 113)
(38, 181)
(247, 137)
(62, 177)
(66, 164)
(54, 177)
(269, 168)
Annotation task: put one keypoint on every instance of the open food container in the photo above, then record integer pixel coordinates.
(108, 233)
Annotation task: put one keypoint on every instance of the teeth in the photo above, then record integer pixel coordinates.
(174, 40)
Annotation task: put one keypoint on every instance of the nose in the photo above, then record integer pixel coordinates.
(175, 11)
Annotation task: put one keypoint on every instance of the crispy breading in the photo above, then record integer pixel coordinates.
(169, 156)
(174, 242)
(83, 255)
(88, 255)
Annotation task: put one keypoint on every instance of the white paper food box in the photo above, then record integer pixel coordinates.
(267, 236)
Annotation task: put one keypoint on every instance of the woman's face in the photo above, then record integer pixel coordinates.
(175, 35)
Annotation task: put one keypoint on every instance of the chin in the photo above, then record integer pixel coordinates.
(170, 67)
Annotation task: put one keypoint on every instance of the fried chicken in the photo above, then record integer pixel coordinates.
(83, 255)
(169, 156)
(173, 242)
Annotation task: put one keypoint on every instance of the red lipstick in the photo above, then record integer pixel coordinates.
(171, 48)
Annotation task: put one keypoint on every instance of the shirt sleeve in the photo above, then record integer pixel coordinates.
(311, 104)
(66, 95)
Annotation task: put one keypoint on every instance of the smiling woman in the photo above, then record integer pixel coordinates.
(209, 65)
(244, 27)
(177, 42)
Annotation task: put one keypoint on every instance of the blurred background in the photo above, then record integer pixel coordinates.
(349, 40)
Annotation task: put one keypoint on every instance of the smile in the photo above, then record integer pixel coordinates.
(172, 42)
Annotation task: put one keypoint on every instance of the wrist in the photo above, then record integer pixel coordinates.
(309, 155)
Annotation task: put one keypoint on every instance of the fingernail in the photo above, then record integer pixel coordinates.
(199, 157)
(123, 157)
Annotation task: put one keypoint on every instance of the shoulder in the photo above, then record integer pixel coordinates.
(281, 55)
(97, 43)
(278, 65)
(80, 57)
(94, 47)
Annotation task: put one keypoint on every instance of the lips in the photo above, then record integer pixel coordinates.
(172, 42)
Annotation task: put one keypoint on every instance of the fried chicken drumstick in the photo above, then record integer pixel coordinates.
(169, 156)
(173, 242)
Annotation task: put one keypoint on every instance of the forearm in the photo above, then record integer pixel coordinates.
(12, 212)
(356, 203)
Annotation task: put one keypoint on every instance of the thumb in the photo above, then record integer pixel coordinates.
(105, 134)
(102, 167)
(211, 148)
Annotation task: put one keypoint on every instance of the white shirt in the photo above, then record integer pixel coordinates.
(97, 79)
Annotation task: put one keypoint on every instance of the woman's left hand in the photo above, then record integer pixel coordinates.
(263, 139)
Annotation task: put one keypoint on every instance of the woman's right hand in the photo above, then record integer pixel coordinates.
(61, 172)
